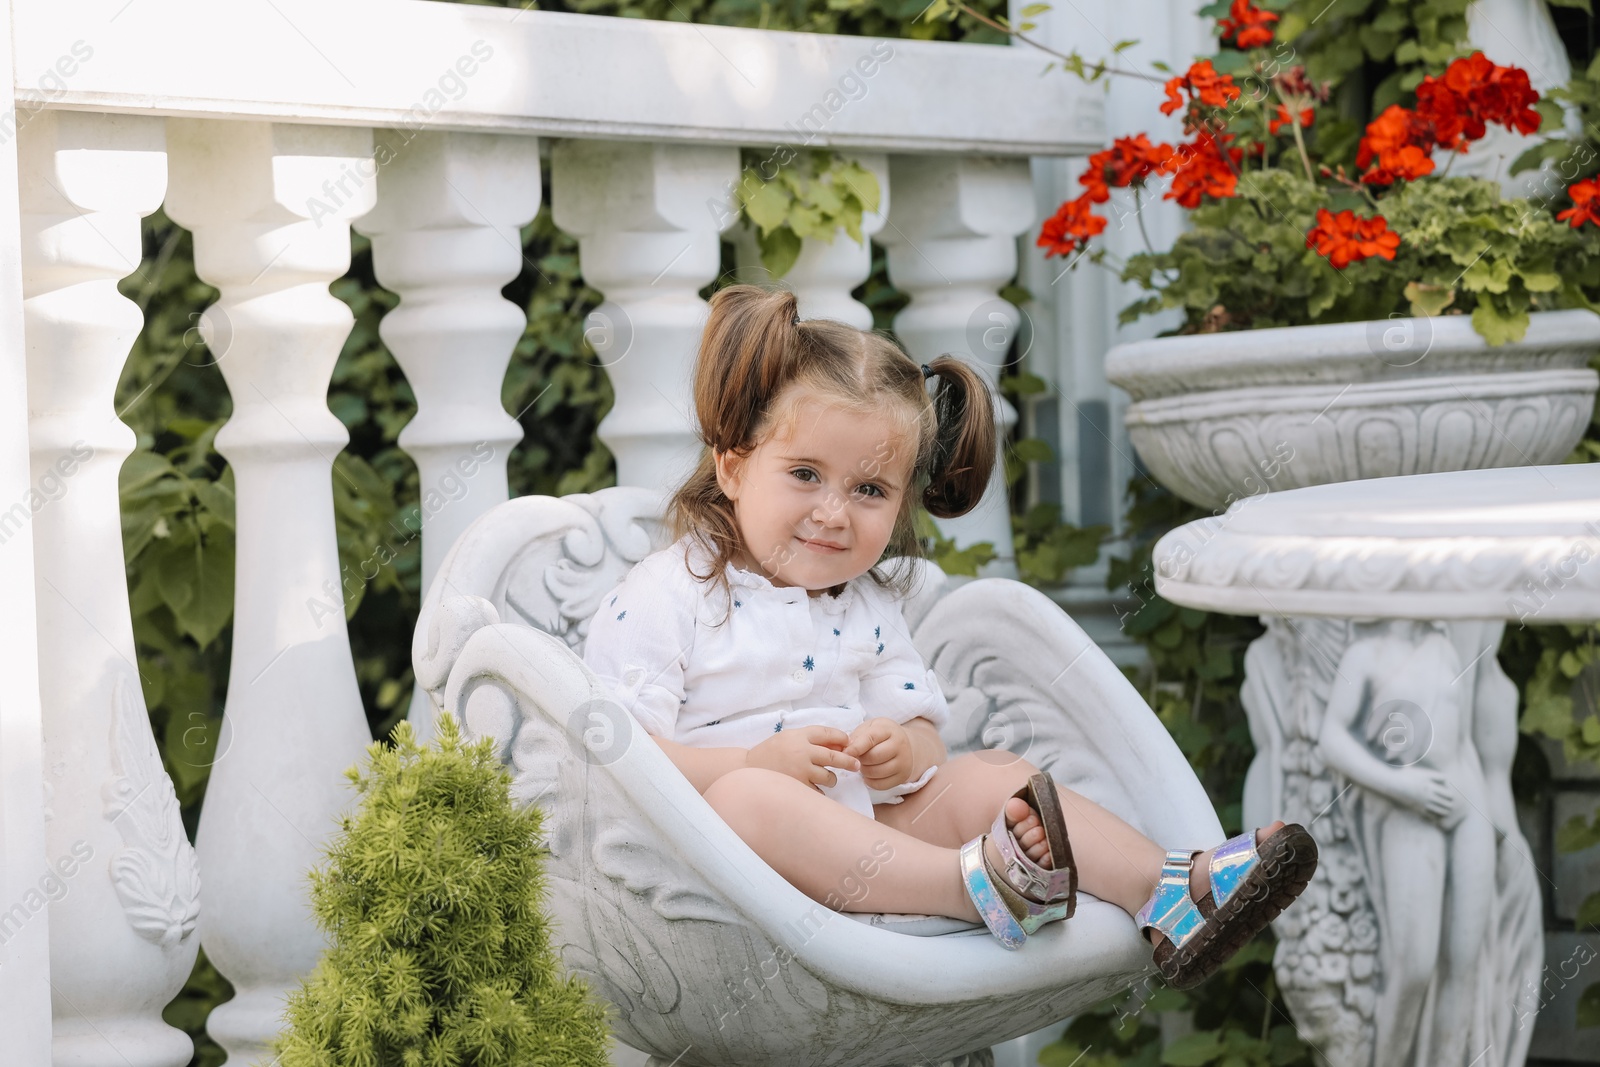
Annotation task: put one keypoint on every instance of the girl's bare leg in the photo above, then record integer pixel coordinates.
(912, 851)
(834, 854)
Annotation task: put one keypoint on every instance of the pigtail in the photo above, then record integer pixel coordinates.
(745, 352)
(964, 441)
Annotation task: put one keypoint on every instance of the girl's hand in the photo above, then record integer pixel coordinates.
(805, 753)
(884, 747)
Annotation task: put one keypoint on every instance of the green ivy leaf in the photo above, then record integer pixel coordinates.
(779, 250)
(216, 498)
(1589, 1007)
(1578, 833)
(1588, 912)
(765, 203)
(1193, 1050)
(196, 582)
(1033, 450)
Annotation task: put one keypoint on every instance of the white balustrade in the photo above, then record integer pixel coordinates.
(951, 236)
(648, 218)
(824, 274)
(123, 927)
(446, 236)
(268, 127)
(271, 236)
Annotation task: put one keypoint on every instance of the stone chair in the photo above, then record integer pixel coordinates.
(708, 955)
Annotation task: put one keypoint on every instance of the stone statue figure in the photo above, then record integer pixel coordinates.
(1396, 728)
(1419, 941)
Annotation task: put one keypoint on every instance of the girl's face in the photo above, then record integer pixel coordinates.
(817, 507)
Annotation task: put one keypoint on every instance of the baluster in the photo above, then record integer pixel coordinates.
(825, 274)
(648, 218)
(269, 205)
(951, 240)
(122, 927)
(446, 236)
(24, 855)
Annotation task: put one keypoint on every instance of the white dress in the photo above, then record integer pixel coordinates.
(781, 659)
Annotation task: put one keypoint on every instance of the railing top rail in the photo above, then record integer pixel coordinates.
(428, 65)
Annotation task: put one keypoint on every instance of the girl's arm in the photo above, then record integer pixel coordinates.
(702, 766)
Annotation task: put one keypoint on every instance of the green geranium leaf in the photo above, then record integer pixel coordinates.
(1487, 275)
(1429, 300)
(1496, 326)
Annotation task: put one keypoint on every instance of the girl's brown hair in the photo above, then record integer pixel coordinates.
(757, 359)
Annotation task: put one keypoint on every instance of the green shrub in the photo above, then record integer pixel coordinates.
(433, 898)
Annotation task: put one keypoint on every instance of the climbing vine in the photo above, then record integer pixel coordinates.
(789, 196)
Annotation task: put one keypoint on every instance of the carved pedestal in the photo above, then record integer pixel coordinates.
(1384, 724)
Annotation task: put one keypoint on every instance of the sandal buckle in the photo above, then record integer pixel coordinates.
(1170, 908)
(1046, 883)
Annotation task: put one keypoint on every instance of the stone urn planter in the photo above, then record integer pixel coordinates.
(1220, 416)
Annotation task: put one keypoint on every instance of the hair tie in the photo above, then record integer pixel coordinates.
(927, 372)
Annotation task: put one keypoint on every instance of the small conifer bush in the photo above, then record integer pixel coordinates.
(432, 895)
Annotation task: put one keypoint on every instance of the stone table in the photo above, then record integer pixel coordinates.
(1383, 722)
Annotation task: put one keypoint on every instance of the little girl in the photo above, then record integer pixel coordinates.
(766, 653)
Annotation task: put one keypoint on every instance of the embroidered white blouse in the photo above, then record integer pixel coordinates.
(782, 659)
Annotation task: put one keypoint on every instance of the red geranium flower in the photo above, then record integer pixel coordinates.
(1129, 161)
(1585, 207)
(1202, 83)
(1069, 228)
(1399, 139)
(1201, 169)
(1406, 163)
(1452, 111)
(1249, 22)
(1345, 239)
(1283, 118)
(1493, 93)
(1451, 115)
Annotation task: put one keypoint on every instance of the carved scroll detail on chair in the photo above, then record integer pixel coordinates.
(1019, 674)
